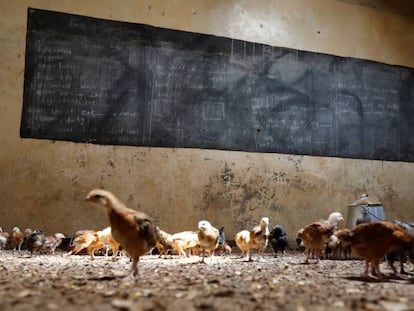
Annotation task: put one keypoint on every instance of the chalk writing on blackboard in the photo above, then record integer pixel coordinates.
(92, 80)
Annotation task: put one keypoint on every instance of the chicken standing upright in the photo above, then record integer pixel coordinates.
(334, 219)
(4, 238)
(372, 241)
(17, 238)
(35, 241)
(51, 242)
(258, 238)
(222, 246)
(208, 238)
(242, 240)
(134, 230)
(278, 239)
(314, 236)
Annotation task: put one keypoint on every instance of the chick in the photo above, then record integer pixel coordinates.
(333, 247)
(89, 241)
(242, 240)
(35, 241)
(185, 240)
(164, 242)
(222, 246)
(372, 241)
(256, 238)
(314, 236)
(135, 231)
(51, 242)
(4, 238)
(208, 238)
(222, 236)
(402, 255)
(334, 219)
(259, 238)
(16, 238)
(278, 239)
(105, 236)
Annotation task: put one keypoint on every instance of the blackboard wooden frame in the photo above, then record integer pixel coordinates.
(92, 80)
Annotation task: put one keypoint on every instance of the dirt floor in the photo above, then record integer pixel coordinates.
(56, 282)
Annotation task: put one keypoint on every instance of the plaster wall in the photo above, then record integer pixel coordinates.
(43, 183)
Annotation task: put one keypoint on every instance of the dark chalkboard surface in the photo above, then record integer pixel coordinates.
(106, 82)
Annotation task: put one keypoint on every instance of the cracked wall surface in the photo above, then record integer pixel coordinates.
(43, 182)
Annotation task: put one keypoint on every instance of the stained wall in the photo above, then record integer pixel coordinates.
(43, 182)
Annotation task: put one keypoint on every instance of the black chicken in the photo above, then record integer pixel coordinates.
(404, 253)
(35, 241)
(222, 236)
(278, 239)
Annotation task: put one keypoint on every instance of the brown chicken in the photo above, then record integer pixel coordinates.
(134, 230)
(88, 241)
(208, 238)
(314, 237)
(372, 241)
(17, 238)
(258, 238)
(93, 241)
(223, 249)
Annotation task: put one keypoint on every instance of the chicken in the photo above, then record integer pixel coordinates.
(89, 241)
(242, 240)
(314, 237)
(222, 236)
(222, 246)
(16, 239)
(334, 219)
(372, 241)
(402, 254)
(105, 236)
(95, 240)
(35, 241)
(185, 240)
(333, 247)
(4, 239)
(27, 232)
(208, 238)
(256, 238)
(164, 242)
(259, 237)
(133, 230)
(51, 242)
(278, 239)
(72, 244)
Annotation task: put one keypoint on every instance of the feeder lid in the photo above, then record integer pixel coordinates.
(365, 200)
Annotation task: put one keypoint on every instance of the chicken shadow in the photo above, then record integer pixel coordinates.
(384, 279)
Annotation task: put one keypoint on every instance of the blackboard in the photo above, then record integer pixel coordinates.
(92, 80)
